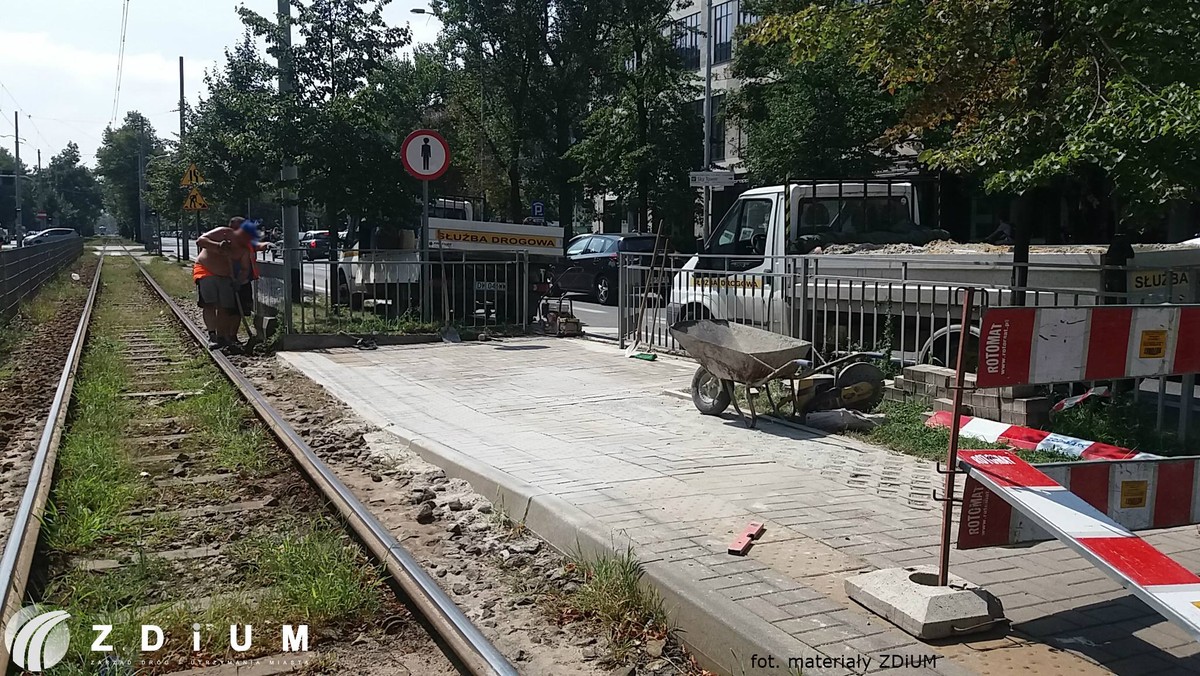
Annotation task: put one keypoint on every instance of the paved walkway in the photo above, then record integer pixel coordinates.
(601, 434)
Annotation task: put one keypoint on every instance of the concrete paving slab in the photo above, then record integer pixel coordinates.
(581, 443)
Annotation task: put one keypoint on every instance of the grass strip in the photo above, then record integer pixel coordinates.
(905, 431)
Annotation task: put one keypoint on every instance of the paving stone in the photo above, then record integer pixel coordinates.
(677, 482)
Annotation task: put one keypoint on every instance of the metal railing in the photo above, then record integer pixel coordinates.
(396, 292)
(909, 310)
(23, 271)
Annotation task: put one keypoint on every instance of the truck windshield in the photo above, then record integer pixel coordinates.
(743, 231)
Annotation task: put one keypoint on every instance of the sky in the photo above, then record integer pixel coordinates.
(58, 63)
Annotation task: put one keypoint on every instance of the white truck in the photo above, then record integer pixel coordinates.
(502, 265)
(759, 267)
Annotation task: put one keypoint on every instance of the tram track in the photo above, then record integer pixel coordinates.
(170, 498)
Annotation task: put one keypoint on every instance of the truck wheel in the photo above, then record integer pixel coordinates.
(708, 393)
(606, 291)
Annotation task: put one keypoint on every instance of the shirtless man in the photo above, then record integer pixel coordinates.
(218, 272)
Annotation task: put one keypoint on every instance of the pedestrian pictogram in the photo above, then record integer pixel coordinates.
(194, 201)
(192, 176)
(426, 154)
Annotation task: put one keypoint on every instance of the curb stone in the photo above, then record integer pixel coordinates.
(717, 631)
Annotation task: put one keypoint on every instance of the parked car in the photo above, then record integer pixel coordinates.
(46, 236)
(315, 244)
(590, 265)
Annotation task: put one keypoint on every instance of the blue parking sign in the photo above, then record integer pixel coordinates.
(538, 209)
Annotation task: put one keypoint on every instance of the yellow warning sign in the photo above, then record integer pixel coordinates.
(194, 201)
(191, 176)
(1133, 494)
(1153, 345)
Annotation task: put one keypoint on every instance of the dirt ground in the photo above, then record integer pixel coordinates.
(30, 377)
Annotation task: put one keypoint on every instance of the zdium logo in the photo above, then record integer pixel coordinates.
(37, 638)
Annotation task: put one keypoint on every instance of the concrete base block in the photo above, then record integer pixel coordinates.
(910, 599)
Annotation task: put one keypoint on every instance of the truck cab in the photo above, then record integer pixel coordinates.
(736, 274)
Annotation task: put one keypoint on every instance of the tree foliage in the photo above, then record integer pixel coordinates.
(68, 192)
(117, 165)
(1028, 92)
(643, 136)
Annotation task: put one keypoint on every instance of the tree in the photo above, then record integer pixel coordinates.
(8, 188)
(1027, 93)
(341, 45)
(117, 165)
(816, 118)
(643, 136)
(68, 192)
(502, 47)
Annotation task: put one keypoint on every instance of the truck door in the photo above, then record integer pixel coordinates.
(737, 280)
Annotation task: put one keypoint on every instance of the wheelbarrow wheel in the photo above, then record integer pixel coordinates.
(709, 394)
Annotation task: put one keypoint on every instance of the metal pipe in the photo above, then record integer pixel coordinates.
(952, 450)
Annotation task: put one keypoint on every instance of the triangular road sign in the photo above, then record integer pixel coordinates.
(192, 176)
(194, 201)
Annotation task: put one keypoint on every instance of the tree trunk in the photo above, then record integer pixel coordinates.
(514, 187)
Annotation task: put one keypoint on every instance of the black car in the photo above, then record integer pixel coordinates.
(591, 264)
(315, 244)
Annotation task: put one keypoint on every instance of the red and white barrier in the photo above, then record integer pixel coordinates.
(1069, 344)
(1138, 494)
(1030, 439)
(1159, 581)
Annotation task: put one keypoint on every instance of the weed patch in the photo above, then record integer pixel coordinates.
(1119, 421)
(613, 595)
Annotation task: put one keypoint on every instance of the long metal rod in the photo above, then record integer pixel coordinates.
(26, 523)
(464, 639)
(952, 451)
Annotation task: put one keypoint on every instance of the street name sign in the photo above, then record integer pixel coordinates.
(711, 179)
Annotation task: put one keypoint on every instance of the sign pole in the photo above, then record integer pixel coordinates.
(951, 470)
(426, 277)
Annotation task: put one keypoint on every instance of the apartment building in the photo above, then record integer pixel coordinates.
(715, 34)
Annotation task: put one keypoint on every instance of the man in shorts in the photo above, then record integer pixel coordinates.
(221, 250)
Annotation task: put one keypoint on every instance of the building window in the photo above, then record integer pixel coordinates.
(746, 19)
(687, 41)
(717, 138)
(723, 17)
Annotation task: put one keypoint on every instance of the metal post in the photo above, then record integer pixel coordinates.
(706, 27)
(184, 235)
(17, 178)
(141, 170)
(288, 173)
(952, 452)
(426, 276)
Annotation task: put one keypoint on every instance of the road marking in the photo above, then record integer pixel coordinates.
(588, 309)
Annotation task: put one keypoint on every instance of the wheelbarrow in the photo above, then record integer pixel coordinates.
(733, 354)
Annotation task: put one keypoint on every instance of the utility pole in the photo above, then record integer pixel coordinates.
(184, 235)
(706, 27)
(17, 177)
(288, 173)
(141, 170)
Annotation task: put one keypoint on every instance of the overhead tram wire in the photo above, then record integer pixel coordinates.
(120, 62)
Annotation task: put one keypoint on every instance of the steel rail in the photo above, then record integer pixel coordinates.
(26, 523)
(468, 645)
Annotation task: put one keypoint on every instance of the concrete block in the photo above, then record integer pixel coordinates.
(1018, 391)
(947, 405)
(1029, 406)
(910, 599)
